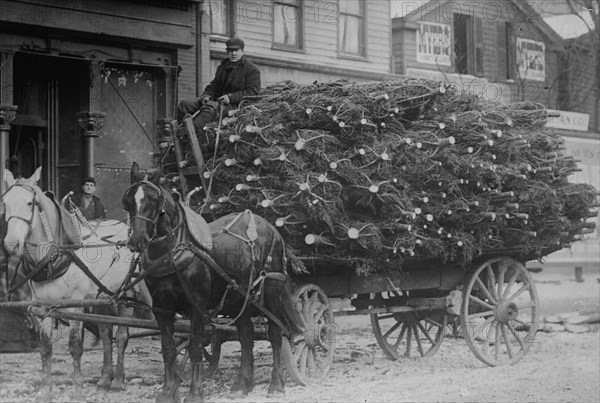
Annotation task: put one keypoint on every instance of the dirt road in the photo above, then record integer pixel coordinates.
(561, 366)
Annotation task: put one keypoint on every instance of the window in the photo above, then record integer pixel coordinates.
(287, 24)
(352, 27)
(468, 44)
(505, 51)
(220, 16)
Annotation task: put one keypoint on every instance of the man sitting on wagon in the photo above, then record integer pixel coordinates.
(236, 78)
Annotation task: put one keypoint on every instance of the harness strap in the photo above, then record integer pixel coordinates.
(213, 265)
(38, 267)
(88, 273)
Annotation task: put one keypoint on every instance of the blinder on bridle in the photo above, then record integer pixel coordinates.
(161, 210)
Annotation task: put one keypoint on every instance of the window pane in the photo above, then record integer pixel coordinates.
(350, 34)
(285, 20)
(217, 11)
(350, 7)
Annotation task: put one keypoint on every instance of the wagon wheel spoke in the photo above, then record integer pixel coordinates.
(510, 283)
(408, 340)
(479, 329)
(425, 332)
(491, 277)
(509, 349)
(480, 302)
(319, 313)
(418, 339)
(524, 287)
(303, 359)
(515, 334)
(497, 341)
(485, 291)
(400, 336)
(480, 314)
(502, 266)
(299, 351)
(392, 329)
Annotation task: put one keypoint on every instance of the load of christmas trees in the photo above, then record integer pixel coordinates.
(390, 172)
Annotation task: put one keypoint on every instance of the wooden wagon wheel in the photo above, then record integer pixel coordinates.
(412, 334)
(211, 353)
(308, 358)
(500, 311)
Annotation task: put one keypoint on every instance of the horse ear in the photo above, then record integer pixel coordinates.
(135, 172)
(9, 178)
(35, 178)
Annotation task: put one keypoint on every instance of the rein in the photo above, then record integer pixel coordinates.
(183, 244)
(56, 249)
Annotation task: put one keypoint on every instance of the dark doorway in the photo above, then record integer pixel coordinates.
(49, 91)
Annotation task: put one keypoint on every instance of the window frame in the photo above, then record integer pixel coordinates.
(362, 54)
(230, 18)
(299, 46)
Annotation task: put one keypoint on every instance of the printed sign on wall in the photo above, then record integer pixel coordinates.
(531, 59)
(434, 43)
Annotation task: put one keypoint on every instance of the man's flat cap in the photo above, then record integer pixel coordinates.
(234, 44)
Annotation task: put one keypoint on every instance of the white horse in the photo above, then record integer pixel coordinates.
(52, 244)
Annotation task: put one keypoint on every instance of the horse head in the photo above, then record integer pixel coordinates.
(151, 209)
(21, 207)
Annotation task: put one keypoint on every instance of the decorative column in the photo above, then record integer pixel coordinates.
(90, 123)
(7, 115)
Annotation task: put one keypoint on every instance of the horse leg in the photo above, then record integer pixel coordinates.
(76, 350)
(245, 381)
(45, 393)
(106, 375)
(277, 384)
(195, 348)
(118, 383)
(169, 392)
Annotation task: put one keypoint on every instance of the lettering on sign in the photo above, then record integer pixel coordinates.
(531, 59)
(434, 43)
(569, 121)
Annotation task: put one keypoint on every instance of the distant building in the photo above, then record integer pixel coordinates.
(505, 51)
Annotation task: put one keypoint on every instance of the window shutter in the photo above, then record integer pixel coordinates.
(478, 46)
(501, 52)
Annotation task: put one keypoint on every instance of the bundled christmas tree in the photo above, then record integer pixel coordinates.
(396, 172)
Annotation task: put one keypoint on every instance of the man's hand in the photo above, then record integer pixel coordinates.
(224, 98)
(204, 99)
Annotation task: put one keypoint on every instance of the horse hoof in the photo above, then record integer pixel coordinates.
(167, 398)
(102, 386)
(117, 386)
(238, 393)
(193, 399)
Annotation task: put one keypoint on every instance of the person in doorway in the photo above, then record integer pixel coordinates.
(235, 78)
(88, 203)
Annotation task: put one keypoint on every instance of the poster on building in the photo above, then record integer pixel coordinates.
(531, 59)
(434, 43)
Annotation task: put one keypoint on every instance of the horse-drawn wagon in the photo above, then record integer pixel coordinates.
(429, 236)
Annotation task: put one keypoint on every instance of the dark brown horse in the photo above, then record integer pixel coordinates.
(202, 270)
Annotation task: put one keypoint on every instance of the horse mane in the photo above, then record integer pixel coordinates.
(69, 233)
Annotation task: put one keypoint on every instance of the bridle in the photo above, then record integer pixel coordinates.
(34, 204)
(161, 210)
